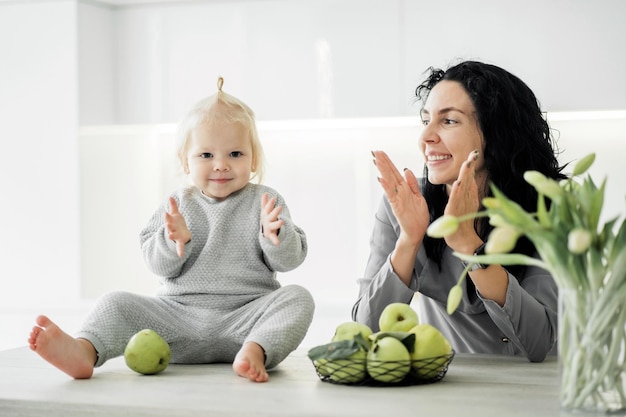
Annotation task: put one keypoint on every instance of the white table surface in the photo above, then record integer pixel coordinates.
(475, 385)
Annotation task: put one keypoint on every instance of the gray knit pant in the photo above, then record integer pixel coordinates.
(203, 328)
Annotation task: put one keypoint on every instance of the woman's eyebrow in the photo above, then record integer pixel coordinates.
(444, 110)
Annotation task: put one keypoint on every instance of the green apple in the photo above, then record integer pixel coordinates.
(388, 360)
(349, 329)
(430, 353)
(341, 361)
(398, 317)
(147, 352)
(350, 370)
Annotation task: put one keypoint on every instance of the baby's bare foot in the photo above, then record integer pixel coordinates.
(75, 357)
(250, 363)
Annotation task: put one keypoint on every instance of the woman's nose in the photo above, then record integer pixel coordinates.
(429, 134)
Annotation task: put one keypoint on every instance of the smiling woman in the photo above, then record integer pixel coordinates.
(482, 125)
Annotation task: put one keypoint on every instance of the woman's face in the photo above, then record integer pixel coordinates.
(450, 133)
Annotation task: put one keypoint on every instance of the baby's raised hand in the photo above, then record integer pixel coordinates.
(270, 224)
(177, 229)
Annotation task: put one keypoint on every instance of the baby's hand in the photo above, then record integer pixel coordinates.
(177, 228)
(270, 224)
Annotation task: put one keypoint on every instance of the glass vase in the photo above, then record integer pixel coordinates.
(592, 350)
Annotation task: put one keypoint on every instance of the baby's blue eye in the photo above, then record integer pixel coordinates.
(206, 155)
(235, 154)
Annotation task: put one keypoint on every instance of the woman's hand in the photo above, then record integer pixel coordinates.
(270, 224)
(405, 198)
(411, 211)
(491, 282)
(177, 228)
(464, 199)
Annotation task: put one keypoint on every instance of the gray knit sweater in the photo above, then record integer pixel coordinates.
(227, 254)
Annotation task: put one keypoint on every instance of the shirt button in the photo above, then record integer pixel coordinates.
(505, 340)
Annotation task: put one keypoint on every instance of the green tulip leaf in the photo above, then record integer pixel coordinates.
(596, 206)
(617, 271)
(502, 259)
(361, 341)
(513, 212)
(542, 212)
(619, 243)
(334, 350)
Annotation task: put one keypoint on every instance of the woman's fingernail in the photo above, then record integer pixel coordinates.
(373, 154)
(378, 178)
(475, 154)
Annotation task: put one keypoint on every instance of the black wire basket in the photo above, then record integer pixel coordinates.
(379, 373)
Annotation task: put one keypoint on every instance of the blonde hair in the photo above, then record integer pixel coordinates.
(222, 108)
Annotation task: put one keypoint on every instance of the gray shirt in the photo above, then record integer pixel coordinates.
(526, 324)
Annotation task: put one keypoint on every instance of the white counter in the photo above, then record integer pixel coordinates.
(475, 385)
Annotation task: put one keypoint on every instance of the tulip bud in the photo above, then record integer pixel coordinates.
(497, 220)
(454, 299)
(544, 185)
(578, 240)
(534, 177)
(502, 239)
(443, 226)
(583, 164)
(491, 203)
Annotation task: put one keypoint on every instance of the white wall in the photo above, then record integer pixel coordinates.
(39, 248)
(355, 58)
(97, 78)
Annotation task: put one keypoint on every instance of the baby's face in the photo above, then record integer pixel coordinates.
(219, 159)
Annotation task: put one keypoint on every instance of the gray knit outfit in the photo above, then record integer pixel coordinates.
(221, 294)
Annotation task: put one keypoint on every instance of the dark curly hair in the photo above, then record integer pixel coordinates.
(517, 139)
